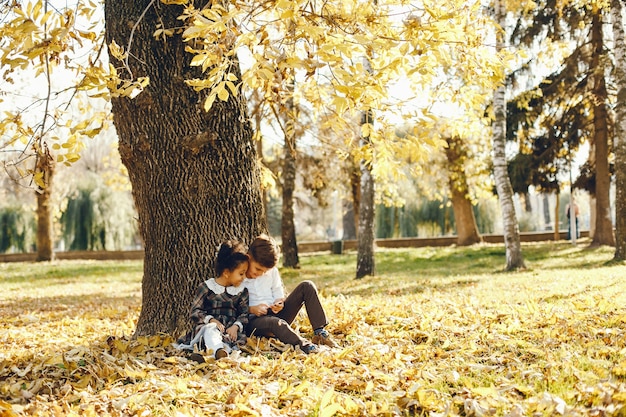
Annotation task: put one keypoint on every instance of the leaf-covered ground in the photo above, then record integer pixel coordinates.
(438, 332)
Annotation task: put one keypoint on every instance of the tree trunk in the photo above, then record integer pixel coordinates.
(466, 227)
(288, 226)
(194, 174)
(365, 264)
(514, 258)
(45, 235)
(619, 141)
(604, 225)
(257, 116)
(355, 186)
(557, 220)
(348, 220)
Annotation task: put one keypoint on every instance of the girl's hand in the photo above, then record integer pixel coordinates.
(232, 332)
(219, 324)
(259, 310)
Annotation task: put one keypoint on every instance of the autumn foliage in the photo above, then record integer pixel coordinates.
(439, 332)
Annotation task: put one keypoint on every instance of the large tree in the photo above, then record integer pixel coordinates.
(194, 173)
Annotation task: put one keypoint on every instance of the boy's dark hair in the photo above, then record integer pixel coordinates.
(230, 255)
(265, 251)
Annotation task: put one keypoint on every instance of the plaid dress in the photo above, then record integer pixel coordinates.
(229, 305)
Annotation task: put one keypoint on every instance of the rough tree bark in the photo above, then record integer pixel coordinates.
(288, 225)
(45, 235)
(350, 218)
(603, 234)
(194, 175)
(466, 228)
(365, 263)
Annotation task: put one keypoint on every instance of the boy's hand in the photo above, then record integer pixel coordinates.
(277, 306)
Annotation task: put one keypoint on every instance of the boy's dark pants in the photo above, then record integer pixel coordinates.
(279, 325)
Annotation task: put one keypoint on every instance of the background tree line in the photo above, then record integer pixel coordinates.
(384, 91)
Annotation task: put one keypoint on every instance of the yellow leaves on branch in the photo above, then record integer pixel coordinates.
(59, 55)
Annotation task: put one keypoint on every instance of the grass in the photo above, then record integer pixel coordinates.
(437, 331)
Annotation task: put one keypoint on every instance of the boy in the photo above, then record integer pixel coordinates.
(271, 314)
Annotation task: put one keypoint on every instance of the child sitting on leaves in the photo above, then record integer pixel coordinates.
(219, 311)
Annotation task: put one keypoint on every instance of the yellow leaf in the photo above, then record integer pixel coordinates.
(83, 382)
(222, 93)
(232, 88)
(340, 104)
(135, 373)
(38, 179)
(619, 397)
(485, 391)
(284, 4)
(428, 398)
(328, 407)
(120, 345)
(198, 60)
(331, 410)
(208, 103)
(6, 410)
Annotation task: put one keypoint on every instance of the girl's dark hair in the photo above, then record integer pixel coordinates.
(265, 251)
(230, 255)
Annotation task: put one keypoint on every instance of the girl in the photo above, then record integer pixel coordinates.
(219, 311)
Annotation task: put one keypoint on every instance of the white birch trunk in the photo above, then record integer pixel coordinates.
(619, 140)
(514, 258)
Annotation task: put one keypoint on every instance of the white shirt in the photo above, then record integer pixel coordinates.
(265, 289)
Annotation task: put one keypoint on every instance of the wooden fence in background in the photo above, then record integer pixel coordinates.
(305, 247)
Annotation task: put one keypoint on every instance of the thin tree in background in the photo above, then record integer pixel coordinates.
(365, 262)
(619, 138)
(514, 258)
(45, 236)
(288, 226)
(603, 232)
(466, 228)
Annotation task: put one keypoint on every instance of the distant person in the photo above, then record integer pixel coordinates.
(271, 314)
(219, 311)
(569, 221)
